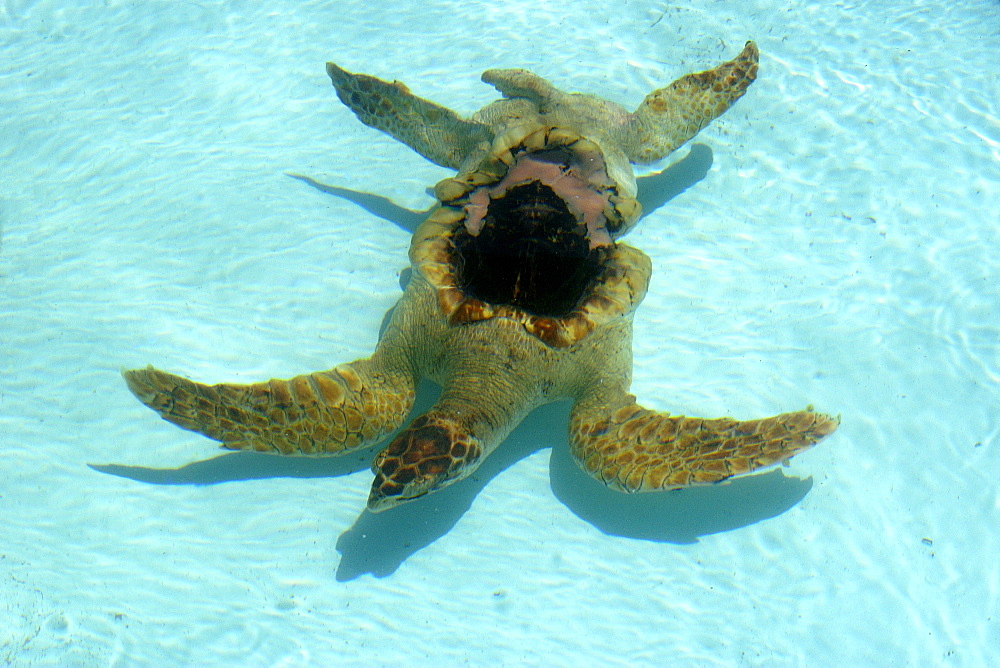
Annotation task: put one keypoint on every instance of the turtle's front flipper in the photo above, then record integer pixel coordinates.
(431, 130)
(632, 449)
(327, 412)
(670, 116)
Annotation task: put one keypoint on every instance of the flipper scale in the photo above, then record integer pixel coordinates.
(670, 116)
(637, 450)
(327, 412)
(433, 131)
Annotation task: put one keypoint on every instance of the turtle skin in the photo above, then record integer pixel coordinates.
(521, 294)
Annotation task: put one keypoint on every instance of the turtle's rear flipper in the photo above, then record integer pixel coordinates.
(670, 116)
(327, 412)
(633, 449)
(433, 131)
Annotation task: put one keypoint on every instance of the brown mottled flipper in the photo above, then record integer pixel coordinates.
(670, 116)
(633, 449)
(327, 412)
(433, 131)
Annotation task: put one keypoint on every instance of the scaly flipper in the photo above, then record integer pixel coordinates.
(522, 83)
(433, 131)
(327, 412)
(670, 116)
(633, 449)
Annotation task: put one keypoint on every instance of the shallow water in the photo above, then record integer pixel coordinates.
(180, 186)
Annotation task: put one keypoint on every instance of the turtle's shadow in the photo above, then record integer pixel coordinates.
(379, 543)
(655, 190)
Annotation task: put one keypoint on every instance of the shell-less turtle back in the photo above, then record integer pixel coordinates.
(522, 293)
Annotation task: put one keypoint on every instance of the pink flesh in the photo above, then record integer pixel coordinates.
(578, 187)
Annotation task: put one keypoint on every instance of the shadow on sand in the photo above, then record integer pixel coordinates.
(379, 543)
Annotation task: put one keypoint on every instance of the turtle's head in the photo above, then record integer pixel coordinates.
(431, 453)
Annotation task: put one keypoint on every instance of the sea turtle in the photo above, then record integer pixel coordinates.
(520, 295)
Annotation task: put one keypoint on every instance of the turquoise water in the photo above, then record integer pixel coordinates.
(832, 240)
